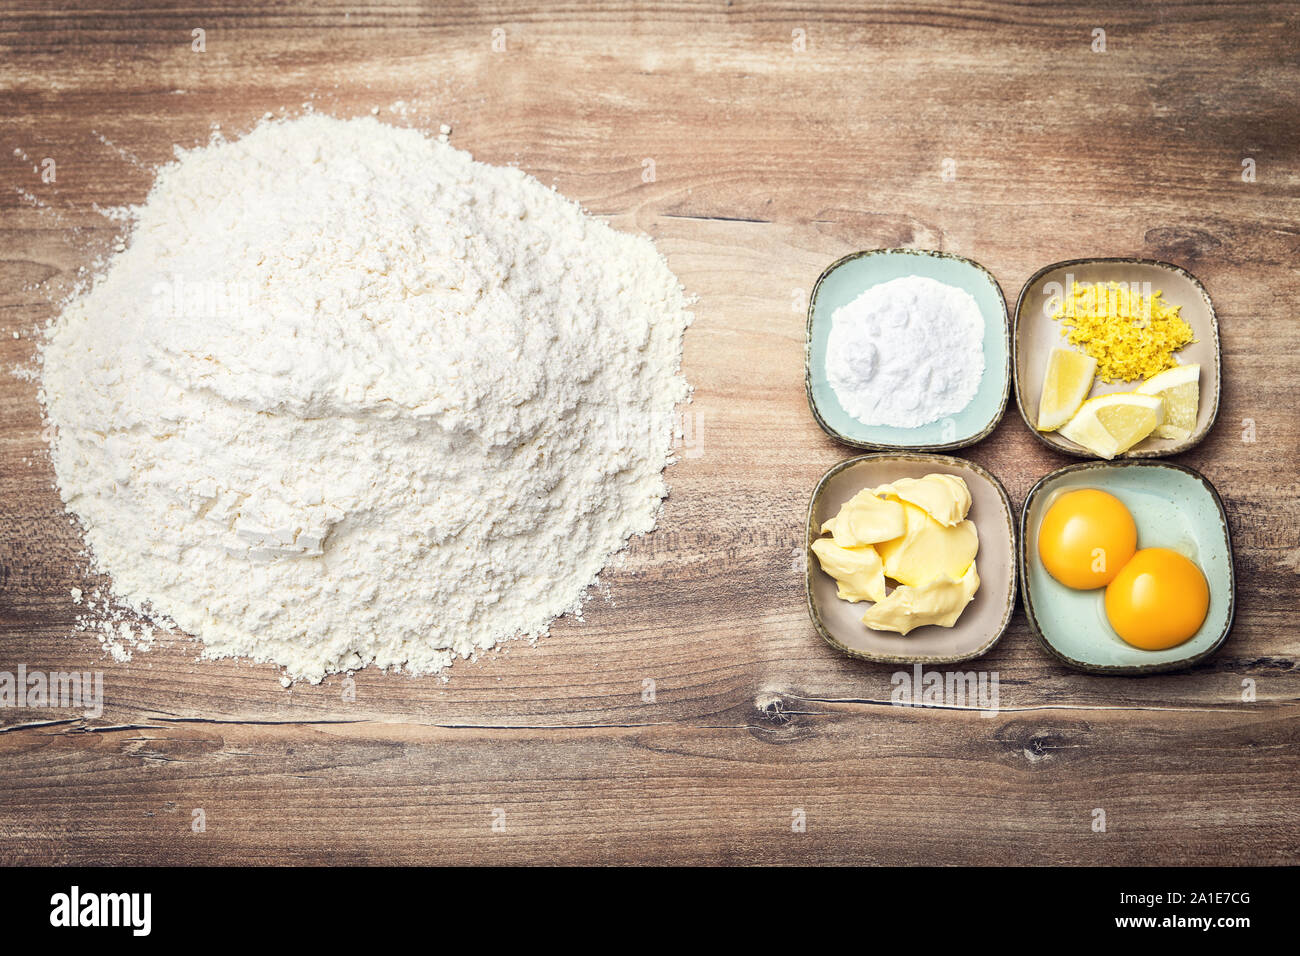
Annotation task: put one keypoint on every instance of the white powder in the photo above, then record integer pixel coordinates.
(349, 396)
(906, 352)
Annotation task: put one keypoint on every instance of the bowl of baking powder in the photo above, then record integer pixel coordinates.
(907, 348)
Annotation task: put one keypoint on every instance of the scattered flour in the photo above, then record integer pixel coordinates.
(348, 397)
(906, 352)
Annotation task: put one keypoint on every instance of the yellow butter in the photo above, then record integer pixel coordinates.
(940, 601)
(927, 550)
(857, 571)
(945, 498)
(865, 519)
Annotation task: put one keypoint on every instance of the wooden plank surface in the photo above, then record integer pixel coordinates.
(770, 161)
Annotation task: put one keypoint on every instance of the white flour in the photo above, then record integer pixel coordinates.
(906, 352)
(349, 396)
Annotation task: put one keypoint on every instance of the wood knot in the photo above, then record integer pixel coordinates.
(1169, 242)
(773, 721)
(1039, 746)
(771, 709)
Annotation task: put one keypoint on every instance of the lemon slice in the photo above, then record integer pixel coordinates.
(1065, 386)
(1110, 424)
(1180, 387)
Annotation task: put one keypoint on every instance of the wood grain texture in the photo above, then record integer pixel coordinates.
(769, 164)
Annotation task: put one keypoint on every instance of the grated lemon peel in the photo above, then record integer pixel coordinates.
(1131, 336)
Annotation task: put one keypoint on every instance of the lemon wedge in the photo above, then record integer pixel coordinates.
(1180, 387)
(1110, 424)
(1065, 386)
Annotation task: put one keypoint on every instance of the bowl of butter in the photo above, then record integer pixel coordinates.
(911, 558)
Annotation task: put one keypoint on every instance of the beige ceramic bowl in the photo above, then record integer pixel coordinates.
(1036, 333)
(987, 615)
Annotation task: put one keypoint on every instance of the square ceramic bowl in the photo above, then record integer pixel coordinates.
(1174, 507)
(985, 618)
(848, 278)
(1037, 333)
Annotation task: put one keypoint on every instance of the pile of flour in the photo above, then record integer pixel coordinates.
(906, 352)
(350, 397)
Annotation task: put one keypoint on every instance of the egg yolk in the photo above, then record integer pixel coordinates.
(1158, 600)
(1085, 538)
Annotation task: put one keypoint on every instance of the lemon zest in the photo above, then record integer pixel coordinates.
(1131, 336)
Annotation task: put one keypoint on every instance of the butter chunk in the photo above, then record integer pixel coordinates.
(941, 602)
(927, 550)
(857, 571)
(945, 498)
(865, 519)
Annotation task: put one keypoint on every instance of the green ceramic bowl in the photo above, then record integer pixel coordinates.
(1174, 507)
(985, 618)
(848, 278)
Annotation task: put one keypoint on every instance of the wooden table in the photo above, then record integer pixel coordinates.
(780, 138)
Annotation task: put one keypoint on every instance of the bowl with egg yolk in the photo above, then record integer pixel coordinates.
(980, 623)
(1182, 545)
